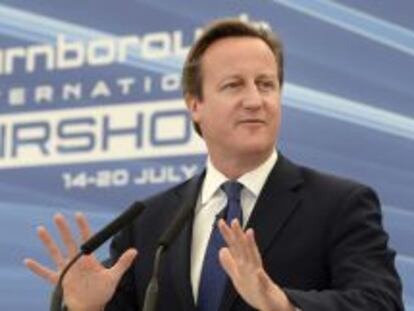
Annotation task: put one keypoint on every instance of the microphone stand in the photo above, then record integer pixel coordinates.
(57, 295)
(151, 294)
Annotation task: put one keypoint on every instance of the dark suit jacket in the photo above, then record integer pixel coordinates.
(320, 236)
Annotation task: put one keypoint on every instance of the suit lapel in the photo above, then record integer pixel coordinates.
(181, 249)
(277, 201)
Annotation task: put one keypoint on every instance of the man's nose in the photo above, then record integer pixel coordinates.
(252, 98)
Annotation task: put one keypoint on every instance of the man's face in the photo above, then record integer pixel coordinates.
(239, 114)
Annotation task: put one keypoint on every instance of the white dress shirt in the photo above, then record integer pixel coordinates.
(212, 200)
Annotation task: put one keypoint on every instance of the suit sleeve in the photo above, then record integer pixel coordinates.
(362, 270)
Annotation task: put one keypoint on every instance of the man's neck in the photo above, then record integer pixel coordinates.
(234, 167)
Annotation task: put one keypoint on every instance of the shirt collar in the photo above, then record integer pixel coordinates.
(253, 180)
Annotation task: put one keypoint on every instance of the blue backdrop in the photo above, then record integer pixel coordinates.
(91, 115)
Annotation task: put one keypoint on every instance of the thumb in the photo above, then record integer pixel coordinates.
(227, 262)
(123, 263)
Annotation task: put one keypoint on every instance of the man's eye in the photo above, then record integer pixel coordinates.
(231, 85)
(266, 85)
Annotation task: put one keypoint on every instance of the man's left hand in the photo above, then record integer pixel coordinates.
(243, 264)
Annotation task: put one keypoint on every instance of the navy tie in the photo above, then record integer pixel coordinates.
(213, 277)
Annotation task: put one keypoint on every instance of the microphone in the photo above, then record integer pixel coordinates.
(151, 294)
(92, 244)
(112, 228)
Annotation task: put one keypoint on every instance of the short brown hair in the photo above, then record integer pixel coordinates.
(191, 79)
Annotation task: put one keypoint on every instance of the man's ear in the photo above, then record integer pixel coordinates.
(193, 106)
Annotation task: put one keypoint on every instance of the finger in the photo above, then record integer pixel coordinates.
(83, 225)
(66, 235)
(51, 246)
(123, 263)
(42, 271)
(253, 250)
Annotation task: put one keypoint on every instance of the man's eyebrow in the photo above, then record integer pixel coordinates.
(231, 76)
(267, 76)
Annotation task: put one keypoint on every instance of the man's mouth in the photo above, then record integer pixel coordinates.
(251, 121)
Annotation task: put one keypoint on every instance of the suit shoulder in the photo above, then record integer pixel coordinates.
(330, 181)
(327, 186)
(160, 198)
(334, 196)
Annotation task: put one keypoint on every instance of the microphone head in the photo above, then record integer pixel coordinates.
(112, 228)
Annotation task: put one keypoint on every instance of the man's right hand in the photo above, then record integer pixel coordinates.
(88, 285)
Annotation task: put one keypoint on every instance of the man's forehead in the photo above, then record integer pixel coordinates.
(228, 46)
(258, 75)
(236, 51)
(234, 55)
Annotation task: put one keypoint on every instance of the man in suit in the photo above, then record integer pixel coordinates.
(300, 240)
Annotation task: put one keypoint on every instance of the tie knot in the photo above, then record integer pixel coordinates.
(232, 189)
